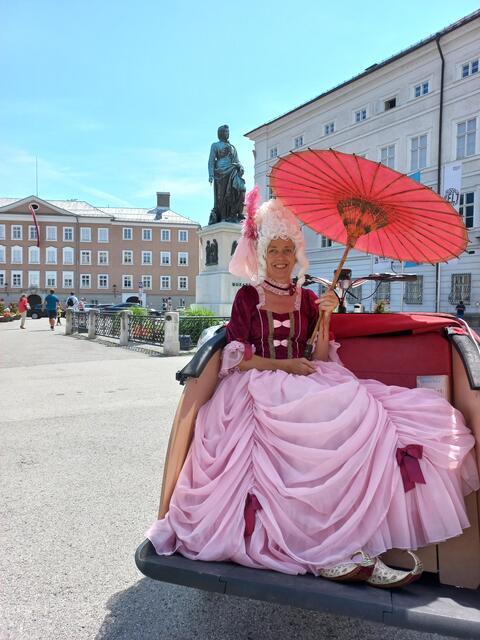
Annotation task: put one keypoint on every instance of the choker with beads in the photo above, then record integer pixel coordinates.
(279, 288)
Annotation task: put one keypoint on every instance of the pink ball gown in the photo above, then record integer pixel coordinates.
(296, 473)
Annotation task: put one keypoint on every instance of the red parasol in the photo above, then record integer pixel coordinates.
(369, 207)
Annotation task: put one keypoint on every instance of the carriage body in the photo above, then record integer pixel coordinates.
(401, 349)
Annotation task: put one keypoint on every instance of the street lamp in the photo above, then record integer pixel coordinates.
(6, 288)
(114, 287)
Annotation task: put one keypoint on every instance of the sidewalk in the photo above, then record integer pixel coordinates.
(84, 430)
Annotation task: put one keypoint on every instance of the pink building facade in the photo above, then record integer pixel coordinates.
(102, 254)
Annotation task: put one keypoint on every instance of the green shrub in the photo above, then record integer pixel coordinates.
(198, 312)
(139, 311)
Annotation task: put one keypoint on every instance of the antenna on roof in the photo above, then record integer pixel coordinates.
(36, 176)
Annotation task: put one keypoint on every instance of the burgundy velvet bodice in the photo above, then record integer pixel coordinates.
(274, 335)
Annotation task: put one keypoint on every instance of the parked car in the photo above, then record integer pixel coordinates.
(124, 306)
(36, 312)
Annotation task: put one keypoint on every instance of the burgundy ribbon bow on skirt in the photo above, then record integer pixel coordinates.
(407, 459)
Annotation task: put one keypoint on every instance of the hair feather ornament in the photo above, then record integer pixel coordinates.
(251, 204)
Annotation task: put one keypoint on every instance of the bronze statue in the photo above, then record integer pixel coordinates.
(225, 171)
(211, 252)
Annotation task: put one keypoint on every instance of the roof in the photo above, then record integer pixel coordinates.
(123, 214)
(156, 215)
(376, 66)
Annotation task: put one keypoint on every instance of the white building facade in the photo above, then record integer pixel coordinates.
(419, 113)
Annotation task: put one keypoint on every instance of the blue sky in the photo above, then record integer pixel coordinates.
(119, 99)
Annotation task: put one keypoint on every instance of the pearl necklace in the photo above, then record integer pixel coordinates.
(279, 288)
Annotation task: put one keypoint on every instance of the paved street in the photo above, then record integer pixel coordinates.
(83, 432)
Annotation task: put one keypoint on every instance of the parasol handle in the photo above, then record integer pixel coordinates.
(320, 326)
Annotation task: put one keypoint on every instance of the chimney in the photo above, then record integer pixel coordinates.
(163, 199)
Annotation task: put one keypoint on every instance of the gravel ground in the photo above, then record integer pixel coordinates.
(84, 430)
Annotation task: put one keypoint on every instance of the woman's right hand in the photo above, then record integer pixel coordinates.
(299, 366)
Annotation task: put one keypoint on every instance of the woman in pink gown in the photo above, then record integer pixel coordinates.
(299, 466)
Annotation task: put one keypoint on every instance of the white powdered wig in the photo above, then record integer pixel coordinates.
(275, 221)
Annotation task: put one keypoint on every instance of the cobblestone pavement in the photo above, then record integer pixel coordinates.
(83, 433)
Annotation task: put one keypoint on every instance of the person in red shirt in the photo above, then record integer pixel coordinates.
(22, 309)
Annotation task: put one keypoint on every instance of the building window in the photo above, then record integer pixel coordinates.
(102, 234)
(165, 235)
(183, 258)
(469, 68)
(418, 153)
(165, 258)
(466, 134)
(50, 279)
(387, 156)
(354, 296)
(146, 235)
(33, 255)
(2, 254)
(85, 281)
(32, 232)
(51, 234)
(382, 292)
(2, 232)
(2, 278)
(360, 115)
(298, 142)
(461, 285)
(165, 282)
(127, 257)
(147, 282)
(127, 233)
(67, 234)
(102, 280)
(146, 257)
(16, 232)
(421, 89)
(67, 277)
(391, 103)
(273, 152)
(325, 242)
(183, 283)
(467, 208)
(85, 257)
(16, 255)
(127, 282)
(414, 291)
(17, 277)
(85, 234)
(34, 278)
(182, 235)
(329, 128)
(68, 257)
(102, 257)
(51, 255)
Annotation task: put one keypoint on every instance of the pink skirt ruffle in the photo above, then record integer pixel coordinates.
(318, 453)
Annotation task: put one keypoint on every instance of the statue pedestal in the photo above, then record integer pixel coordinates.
(216, 287)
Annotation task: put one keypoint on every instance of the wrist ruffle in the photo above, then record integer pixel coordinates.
(333, 356)
(233, 354)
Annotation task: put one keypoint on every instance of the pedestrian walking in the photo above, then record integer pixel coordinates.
(460, 308)
(59, 313)
(23, 307)
(51, 302)
(72, 301)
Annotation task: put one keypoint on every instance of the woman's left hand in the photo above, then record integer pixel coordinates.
(327, 301)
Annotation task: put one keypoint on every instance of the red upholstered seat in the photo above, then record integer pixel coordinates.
(371, 351)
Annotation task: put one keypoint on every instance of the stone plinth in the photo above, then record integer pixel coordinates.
(216, 287)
